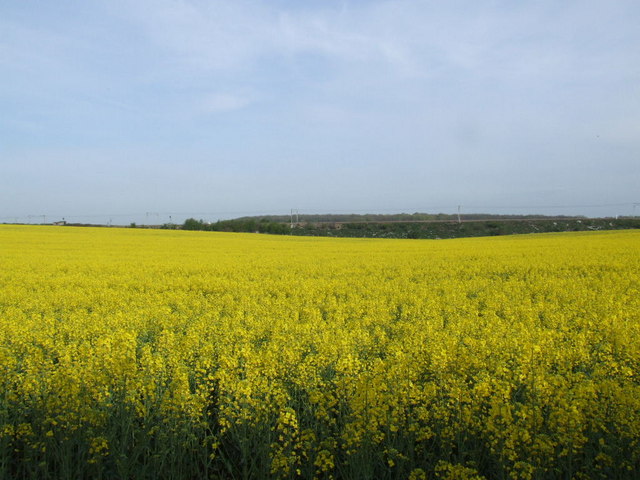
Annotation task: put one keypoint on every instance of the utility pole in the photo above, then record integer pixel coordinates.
(459, 221)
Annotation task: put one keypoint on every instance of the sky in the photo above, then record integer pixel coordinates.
(158, 110)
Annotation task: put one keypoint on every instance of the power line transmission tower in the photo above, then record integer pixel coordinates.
(294, 210)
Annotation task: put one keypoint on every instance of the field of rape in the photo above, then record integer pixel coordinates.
(135, 354)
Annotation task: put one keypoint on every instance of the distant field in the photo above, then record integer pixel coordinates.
(131, 353)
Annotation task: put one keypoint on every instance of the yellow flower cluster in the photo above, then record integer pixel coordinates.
(129, 353)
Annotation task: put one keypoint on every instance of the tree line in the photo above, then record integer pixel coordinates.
(237, 225)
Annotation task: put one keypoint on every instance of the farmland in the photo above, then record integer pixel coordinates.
(131, 353)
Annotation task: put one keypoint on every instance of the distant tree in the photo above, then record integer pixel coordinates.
(193, 224)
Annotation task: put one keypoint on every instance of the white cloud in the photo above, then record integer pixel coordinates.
(220, 102)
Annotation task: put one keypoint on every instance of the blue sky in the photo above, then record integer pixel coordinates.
(133, 110)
